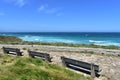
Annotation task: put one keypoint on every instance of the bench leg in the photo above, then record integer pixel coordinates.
(5, 52)
(19, 54)
(48, 59)
(63, 62)
(32, 56)
(92, 71)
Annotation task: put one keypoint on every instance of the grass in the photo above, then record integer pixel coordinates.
(24, 48)
(13, 39)
(71, 45)
(23, 68)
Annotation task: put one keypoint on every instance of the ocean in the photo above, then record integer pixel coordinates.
(95, 38)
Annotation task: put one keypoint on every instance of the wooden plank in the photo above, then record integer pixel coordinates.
(39, 54)
(93, 73)
(80, 63)
(16, 50)
(11, 49)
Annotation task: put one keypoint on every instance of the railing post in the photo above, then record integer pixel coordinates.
(92, 71)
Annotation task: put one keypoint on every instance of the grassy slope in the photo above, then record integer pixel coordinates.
(9, 39)
(22, 68)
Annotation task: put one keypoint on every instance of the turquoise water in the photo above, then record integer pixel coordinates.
(79, 38)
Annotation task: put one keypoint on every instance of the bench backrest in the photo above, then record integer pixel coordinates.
(11, 49)
(16, 50)
(79, 63)
(39, 54)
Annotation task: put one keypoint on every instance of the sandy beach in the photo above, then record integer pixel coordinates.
(110, 65)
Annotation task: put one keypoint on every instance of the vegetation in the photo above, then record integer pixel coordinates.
(10, 39)
(109, 55)
(23, 68)
(24, 48)
(14, 41)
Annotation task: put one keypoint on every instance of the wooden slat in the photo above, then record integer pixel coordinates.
(39, 54)
(11, 49)
(79, 63)
(16, 50)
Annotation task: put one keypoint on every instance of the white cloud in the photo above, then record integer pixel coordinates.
(51, 11)
(45, 9)
(41, 8)
(20, 3)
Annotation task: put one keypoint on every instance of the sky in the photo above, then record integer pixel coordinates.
(59, 15)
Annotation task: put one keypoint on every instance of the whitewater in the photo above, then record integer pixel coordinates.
(105, 39)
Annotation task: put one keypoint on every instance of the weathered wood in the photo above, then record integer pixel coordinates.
(92, 68)
(15, 50)
(44, 56)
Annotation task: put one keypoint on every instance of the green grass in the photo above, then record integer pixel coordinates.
(23, 68)
(24, 48)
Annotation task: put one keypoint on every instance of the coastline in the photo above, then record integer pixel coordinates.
(82, 38)
(17, 41)
(107, 57)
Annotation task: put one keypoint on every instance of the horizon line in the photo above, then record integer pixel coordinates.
(61, 32)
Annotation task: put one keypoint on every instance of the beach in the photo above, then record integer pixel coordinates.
(107, 59)
(60, 40)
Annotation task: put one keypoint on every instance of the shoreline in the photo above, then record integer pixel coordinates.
(12, 39)
(17, 41)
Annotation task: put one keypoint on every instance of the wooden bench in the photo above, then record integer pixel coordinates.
(88, 67)
(43, 56)
(15, 51)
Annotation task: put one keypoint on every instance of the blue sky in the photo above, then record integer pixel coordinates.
(60, 15)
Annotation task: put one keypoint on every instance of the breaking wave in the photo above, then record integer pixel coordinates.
(46, 39)
(104, 43)
(94, 41)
